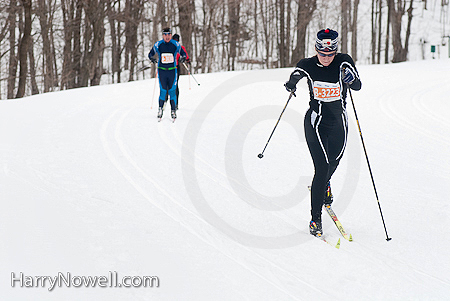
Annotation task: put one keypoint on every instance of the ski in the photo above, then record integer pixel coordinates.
(338, 244)
(171, 119)
(338, 223)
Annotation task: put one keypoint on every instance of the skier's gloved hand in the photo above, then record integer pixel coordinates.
(182, 59)
(349, 76)
(153, 60)
(290, 87)
(293, 80)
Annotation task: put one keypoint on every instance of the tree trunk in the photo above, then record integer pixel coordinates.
(49, 76)
(76, 38)
(306, 9)
(408, 26)
(388, 26)
(265, 24)
(23, 49)
(98, 43)
(345, 20)
(281, 36)
(355, 31)
(233, 18)
(112, 16)
(34, 86)
(373, 41)
(67, 71)
(185, 9)
(397, 12)
(380, 10)
(132, 18)
(287, 49)
(12, 52)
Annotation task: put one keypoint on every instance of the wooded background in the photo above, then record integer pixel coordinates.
(50, 45)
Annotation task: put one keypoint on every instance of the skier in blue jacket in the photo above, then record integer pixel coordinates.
(167, 50)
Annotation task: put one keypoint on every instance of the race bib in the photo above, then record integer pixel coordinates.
(326, 92)
(167, 58)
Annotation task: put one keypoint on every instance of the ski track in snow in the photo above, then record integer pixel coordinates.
(418, 114)
(189, 219)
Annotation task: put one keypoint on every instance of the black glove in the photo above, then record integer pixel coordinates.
(290, 87)
(153, 60)
(182, 59)
(293, 80)
(349, 76)
(188, 61)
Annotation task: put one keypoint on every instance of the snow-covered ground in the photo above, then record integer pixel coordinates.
(92, 185)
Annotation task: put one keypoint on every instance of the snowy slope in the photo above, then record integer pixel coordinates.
(91, 183)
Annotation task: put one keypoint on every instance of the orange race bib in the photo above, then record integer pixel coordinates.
(327, 92)
(167, 58)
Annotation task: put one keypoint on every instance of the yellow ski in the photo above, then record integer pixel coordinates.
(338, 244)
(338, 223)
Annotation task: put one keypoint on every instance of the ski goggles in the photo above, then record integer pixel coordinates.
(327, 55)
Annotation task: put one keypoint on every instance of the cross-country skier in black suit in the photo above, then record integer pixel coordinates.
(329, 75)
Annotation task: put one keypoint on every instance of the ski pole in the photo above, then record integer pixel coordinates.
(137, 71)
(261, 154)
(189, 80)
(154, 87)
(184, 64)
(368, 164)
(141, 69)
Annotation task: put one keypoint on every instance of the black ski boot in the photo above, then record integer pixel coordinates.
(174, 114)
(160, 112)
(328, 196)
(315, 227)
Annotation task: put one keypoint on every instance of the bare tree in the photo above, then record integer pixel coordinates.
(397, 11)
(186, 11)
(12, 70)
(373, 42)
(265, 17)
(94, 34)
(233, 18)
(380, 10)
(345, 20)
(133, 14)
(388, 26)
(355, 30)
(115, 38)
(306, 9)
(283, 32)
(34, 86)
(43, 11)
(23, 48)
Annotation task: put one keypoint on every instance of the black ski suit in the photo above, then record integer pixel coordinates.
(326, 119)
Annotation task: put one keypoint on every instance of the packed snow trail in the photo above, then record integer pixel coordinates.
(92, 183)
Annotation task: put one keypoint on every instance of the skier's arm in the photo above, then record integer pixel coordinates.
(152, 53)
(183, 54)
(293, 80)
(350, 71)
(187, 55)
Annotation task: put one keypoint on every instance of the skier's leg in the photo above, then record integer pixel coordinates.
(172, 84)
(317, 148)
(337, 141)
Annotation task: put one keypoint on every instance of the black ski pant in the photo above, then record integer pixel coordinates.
(326, 138)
